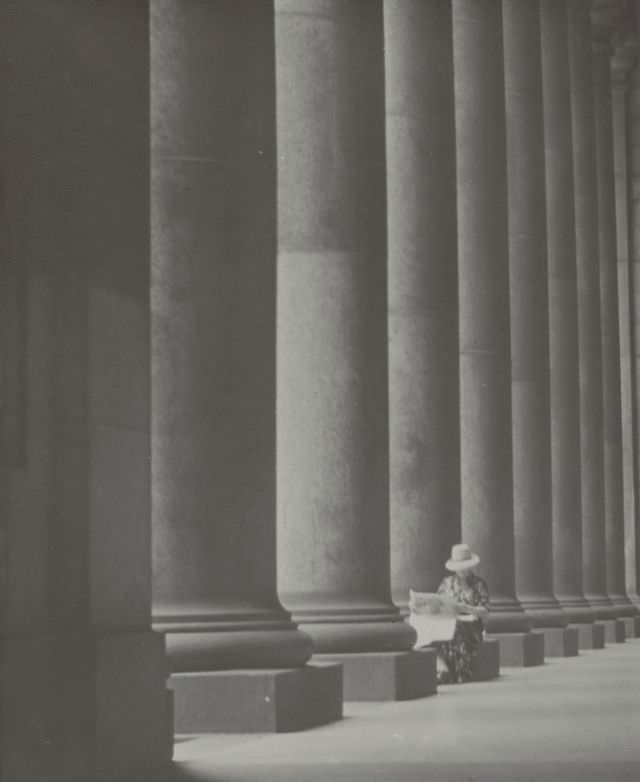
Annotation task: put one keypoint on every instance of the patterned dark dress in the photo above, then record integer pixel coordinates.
(458, 653)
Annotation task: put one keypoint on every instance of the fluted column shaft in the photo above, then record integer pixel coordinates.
(333, 499)
(423, 295)
(214, 338)
(589, 322)
(563, 314)
(485, 365)
(622, 163)
(612, 411)
(529, 313)
(634, 218)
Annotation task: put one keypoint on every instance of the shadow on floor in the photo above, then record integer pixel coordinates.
(574, 771)
(183, 773)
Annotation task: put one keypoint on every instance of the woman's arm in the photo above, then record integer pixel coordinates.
(481, 607)
(480, 611)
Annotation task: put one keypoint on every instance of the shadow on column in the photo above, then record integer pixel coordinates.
(238, 661)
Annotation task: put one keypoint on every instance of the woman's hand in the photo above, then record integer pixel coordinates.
(477, 611)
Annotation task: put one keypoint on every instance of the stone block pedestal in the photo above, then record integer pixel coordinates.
(631, 626)
(520, 650)
(591, 635)
(614, 631)
(559, 641)
(386, 676)
(84, 706)
(257, 701)
(486, 664)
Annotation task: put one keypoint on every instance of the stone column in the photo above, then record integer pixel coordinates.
(529, 326)
(423, 294)
(83, 676)
(213, 394)
(612, 411)
(633, 539)
(589, 319)
(622, 161)
(333, 499)
(622, 64)
(485, 363)
(563, 326)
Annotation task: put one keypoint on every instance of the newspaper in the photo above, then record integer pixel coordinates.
(432, 616)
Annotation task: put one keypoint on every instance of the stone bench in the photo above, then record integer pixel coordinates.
(486, 664)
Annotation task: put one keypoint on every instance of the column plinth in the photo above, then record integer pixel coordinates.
(213, 370)
(483, 271)
(529, 315)
(589, 311)
(333, 486)
(423, 295)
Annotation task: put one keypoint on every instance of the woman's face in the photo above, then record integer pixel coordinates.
(464, 575)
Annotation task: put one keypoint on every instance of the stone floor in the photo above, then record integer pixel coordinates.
(571, 720)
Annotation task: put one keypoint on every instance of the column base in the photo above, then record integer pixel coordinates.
(85, 707)
(386, 676)
(257, 701)
(544, 612)
(624, 607)
(590, 635)
(614, 631)
(389, 633)
(559, 641)
(520, 650)
(603, 608)
(266, 641)
(576, 609)
(486, 663)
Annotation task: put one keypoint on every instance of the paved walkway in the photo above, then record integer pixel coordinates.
(571, 720)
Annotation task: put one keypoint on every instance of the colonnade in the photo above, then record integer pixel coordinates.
(438, 341)
(361, 283)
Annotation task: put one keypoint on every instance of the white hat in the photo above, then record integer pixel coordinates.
(462, 558)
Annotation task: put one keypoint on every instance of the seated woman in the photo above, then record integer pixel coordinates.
(472, 597)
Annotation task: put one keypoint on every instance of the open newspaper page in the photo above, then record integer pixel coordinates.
(432, 616)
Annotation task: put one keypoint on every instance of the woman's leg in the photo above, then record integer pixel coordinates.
(469, 643)
(445, 662)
